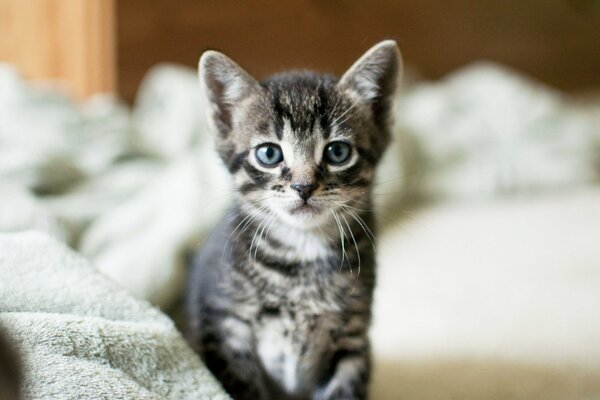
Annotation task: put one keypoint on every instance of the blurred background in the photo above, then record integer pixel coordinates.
(488, 200)
(108, 45)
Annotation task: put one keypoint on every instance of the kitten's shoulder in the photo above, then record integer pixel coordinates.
(209, 261)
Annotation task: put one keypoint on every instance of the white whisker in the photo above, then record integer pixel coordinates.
(342, 238)
(362, 224)
(355, 245)
(343, 114)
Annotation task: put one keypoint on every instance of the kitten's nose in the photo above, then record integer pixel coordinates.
(305, 189)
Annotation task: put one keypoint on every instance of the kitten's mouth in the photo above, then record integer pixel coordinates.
(309, 214)
(306, 208)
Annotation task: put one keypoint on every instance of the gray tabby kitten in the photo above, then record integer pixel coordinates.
(279, 300)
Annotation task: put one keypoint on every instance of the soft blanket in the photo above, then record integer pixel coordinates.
(80, 336)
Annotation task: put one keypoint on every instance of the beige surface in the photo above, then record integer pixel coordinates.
(489, 380)
(494, 300)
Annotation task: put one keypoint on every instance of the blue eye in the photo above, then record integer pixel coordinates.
(269, 154)
(337, 153)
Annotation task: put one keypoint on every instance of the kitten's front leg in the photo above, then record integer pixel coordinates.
(228, 354)
(237, 375)
(350, 378)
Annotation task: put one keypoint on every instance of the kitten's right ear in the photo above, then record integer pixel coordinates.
(223, 84)
(374, 79)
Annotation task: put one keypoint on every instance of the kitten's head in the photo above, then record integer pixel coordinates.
(301, 145)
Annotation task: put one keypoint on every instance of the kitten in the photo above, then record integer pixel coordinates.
(279, 300)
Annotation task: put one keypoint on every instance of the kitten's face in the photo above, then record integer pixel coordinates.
(302, 146)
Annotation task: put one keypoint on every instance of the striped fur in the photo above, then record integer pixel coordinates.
(279, 298)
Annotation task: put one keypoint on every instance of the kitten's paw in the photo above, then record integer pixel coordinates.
(339, 392)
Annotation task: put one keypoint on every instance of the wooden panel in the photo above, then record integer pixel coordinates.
(69, 40)
(557, 41)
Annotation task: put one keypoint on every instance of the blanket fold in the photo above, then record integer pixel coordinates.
(66, 319)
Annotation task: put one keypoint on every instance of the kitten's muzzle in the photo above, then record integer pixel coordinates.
(305, 190)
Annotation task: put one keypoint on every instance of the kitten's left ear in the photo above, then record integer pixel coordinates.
(374, 78)
(224, 85)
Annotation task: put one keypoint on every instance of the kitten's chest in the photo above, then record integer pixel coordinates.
(291, 342)
(300, 313)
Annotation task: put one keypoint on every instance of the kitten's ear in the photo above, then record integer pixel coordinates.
(374, 78)
(224, 84)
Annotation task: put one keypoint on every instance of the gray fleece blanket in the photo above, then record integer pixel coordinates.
(80, 336)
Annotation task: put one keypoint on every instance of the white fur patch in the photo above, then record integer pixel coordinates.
(278, 355)
(309, 245)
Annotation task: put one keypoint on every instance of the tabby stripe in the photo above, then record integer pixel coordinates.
(248, 187)
(285, 267)
(256, 175)
(235, 163)
(350, 174)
